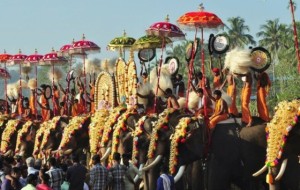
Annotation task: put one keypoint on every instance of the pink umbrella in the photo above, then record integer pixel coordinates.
(3, 59)
(83, 47)
(34, 60)
(164, 29)
(18, 59)
(53, 59)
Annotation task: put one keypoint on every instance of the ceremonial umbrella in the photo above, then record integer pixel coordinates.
(18, 59)
(150, 42)
(194, 21)
(164, 29)
(3, 59)
(34, 60)
(53, 59)
(121, 43)
(83, 47)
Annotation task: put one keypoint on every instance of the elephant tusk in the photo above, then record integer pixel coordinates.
(262, 170)
(151, 165)
(282, 170)
(136, 178)
(179, 173)
(106, 154)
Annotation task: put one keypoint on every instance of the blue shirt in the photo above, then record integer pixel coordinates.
(160, 186)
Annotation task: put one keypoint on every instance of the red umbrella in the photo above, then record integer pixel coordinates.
(194, 21)
(83, 47)
(3, 59)
(53, 59)
(18, 59)
(164, 29)
(34, 60)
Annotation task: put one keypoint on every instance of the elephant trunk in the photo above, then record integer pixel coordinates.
(136, 178)
(179, 173)
(106, 154)
(155, 162)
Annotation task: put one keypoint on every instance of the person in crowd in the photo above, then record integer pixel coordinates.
(98, 174)
(131, 172)
(24, 174)
(92, 96)
(27, 111)
(179, 86)
(20, 106)
(30, 164)
(117, 173)
(172, 100)
(204, 104)
(55, 174)
(75, 108)
(200, 82)
(32, 180)
(165, 181)
(44, 103)
(44, 181)
(245, 98)
(76, 174)
(55, 100)
(231, 91)
(263, 87)
(12, 182)
(13, 106)
(218, 77)
(32, 101)
(220, 111)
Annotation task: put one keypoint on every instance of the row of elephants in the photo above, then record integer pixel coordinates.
(173, 138)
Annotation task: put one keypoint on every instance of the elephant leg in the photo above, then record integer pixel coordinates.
(218, 175)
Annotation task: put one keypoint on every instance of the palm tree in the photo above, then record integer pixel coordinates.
(237, 34)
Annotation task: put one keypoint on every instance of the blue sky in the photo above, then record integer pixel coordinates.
(44, 24)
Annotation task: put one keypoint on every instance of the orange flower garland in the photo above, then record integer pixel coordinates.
(110, 122)
(10, 128)
(139, 129)
(52, 124)
(39, 137)
(96, 128)
(22, 132)
(121, 125)
(163, 120)
(74, 125)
(178, 137)
(284, 120)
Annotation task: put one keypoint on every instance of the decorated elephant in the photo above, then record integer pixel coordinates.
(48, 136)
(283, 148)
(159, 146)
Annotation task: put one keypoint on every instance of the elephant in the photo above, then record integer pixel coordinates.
(159, 146)
(9, 136)
(281, 164)
(48, 136)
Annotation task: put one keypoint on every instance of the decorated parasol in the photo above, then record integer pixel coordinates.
(164, 30)
(3, 59)
(121, 43)
(53, 59)
(18, 59)
(83, 47)
(194, 21)
(150, 42)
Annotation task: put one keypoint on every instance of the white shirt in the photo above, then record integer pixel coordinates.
(32, 170)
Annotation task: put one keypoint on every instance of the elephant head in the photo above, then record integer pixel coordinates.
(9, 136)
(283, 139)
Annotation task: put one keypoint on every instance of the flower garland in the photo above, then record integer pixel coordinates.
(120, 126)
(178, 137)
(278, 130)
(75, 124)
(96, 129)
(21, 133)
(10, 128)
(161, 123)
(52, 124)
(38, 137)
(2, 121)
(110, 122)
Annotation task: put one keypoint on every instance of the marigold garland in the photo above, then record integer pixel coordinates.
(10, 128)
(178, 137)
(285, 118)
(96, 129)
(21, 133)
(74, 125)
(39, 137)
(110, 122)
(52, 125)
(121, 125)
(163, 120)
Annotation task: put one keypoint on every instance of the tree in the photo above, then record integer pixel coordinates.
(236, 31)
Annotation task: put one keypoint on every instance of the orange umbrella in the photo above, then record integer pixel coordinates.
(194, 21)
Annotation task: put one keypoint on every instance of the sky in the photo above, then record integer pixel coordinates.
(45, 24)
